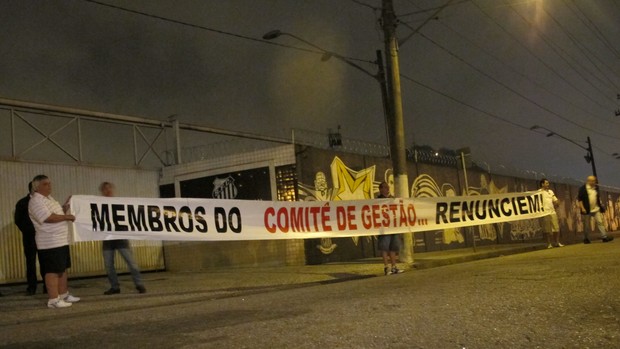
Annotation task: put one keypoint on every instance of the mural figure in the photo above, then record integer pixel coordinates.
(616, 211)
(611, 215)
(564, 212)
(347, 184)
(321, 190)
(424, 186)
(388, 178)
(524, 229)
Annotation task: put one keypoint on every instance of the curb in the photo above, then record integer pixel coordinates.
(422, 263)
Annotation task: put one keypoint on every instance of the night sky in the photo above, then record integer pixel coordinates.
(492, 69)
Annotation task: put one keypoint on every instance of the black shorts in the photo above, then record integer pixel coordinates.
(390, 243)
(55, 260)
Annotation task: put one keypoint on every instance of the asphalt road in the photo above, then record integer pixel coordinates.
(560, 298)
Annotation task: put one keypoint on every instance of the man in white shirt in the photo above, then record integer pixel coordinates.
(591, 207)
(52, 238)
(550, 223)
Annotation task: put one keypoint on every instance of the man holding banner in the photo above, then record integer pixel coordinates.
(52, 237)
(550, 223)
(389, 244)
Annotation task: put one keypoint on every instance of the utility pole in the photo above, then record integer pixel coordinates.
(395, 117)
(385, 99)
(590, 157)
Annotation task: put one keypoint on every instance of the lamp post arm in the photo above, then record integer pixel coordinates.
(570, 140)
(591, 153)
(553, 133)
(332, 54)
(374, 76)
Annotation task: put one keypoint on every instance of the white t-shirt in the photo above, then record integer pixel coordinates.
(549, 199)
(48, 235)
(592, 197)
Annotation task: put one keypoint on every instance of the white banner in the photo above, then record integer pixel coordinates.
(104, 218)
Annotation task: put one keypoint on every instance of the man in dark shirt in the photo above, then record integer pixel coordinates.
(591, 207)
(23, 222)
(122, 246)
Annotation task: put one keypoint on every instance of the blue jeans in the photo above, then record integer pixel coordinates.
(122, 246)
(598, 221)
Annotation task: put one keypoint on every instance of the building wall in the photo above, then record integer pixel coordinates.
(325, 175)
(234, 177)
(67, 180)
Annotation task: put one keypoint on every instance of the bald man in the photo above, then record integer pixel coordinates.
(591, 207)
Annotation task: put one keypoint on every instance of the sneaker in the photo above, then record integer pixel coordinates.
(112, 290)
(586, 241)
(387, 271)
(560, 245)
(608, 238)
(549, 246)
(69, 298)
(395, 270)
(58, 303)
(141, 289)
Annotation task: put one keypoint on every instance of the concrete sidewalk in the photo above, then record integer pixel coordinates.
(222, 282)
(505, 302)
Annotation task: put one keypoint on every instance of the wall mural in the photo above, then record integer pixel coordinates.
(347, 184)
(350, 184)
(424, 186)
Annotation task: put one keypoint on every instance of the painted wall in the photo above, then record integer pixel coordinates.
(266, 174)
(330, 175)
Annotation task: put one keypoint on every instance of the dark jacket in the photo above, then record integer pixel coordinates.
(583, 197)
(22, 217)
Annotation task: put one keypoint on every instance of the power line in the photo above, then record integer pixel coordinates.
(574, 12)
(510, 88)
(551, 68)
(513, 90)
(487, 113)
(584, 50)
(218, 31)
(515, 71)
(421, 25)
(554, 47)
(428, 9)
(597, 31)
(492, 115)
(361, 3)
(421, 10)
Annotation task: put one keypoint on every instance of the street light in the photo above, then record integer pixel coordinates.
(379, 76)
(589, 155)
